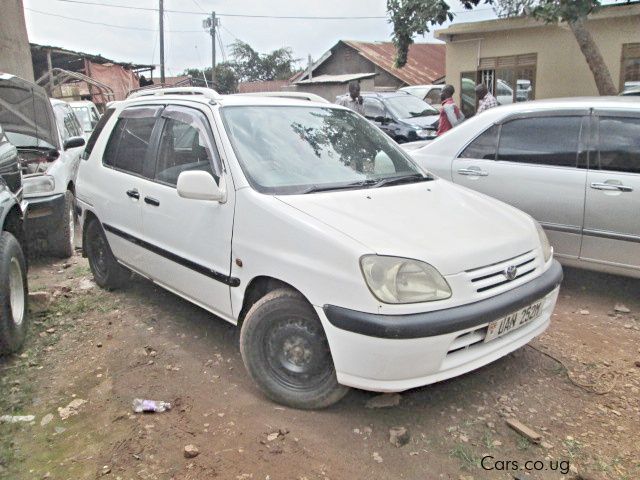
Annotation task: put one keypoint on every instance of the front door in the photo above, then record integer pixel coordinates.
(190, 240)
(118, 201)
(533, 164)
(612, 214)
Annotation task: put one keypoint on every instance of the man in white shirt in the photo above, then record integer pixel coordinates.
(353, 100)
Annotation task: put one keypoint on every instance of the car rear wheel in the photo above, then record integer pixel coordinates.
(61, 240)
(107, 272)
(286, 352)
(13, 295)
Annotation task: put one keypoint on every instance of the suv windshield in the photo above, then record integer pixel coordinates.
(291, 150)
(408, 106)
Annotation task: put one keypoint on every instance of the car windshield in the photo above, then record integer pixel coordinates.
(84, 115)
(293, 150)
(408, 106)
(417, 91)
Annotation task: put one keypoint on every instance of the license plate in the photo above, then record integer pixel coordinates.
(513, 321)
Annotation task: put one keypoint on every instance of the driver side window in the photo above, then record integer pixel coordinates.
(186, 144)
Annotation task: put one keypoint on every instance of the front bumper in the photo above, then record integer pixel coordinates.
(44, 214)
(398, 352)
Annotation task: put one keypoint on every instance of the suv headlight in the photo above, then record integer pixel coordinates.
(402, 280)
(39, 184)
(547, 250)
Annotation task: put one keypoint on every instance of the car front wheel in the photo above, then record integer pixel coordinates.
(286, 352)
(61, 239)
(13, 294)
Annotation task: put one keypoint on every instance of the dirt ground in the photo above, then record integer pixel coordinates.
(103, 349)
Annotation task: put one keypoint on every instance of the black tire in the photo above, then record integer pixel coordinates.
(107, 272)
(14, 322)
(61, 239)
(286, 352)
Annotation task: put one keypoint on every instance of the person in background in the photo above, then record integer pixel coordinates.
(450, 115)
(485, 99)
(353, 100)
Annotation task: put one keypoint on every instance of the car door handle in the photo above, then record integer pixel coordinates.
(611, 187)
(473, 172)
(152, 201)
(133, 194)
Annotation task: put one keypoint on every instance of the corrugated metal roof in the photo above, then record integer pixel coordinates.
(337, 78)
(425, 62)
(264, 86)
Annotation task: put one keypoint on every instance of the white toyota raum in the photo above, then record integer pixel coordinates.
(344, 263)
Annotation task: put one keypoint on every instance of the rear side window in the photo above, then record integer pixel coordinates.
(186, 144)
(96, 133)
(549, 141)
(67, 122)
(484, 146)
(619, 145)
(129, 141)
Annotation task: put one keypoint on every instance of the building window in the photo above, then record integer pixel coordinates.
(630, 68)
(510, 79)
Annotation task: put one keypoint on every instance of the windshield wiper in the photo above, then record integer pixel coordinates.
(412, 178)
(327, 188)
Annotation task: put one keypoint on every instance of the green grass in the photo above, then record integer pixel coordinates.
(465, 456)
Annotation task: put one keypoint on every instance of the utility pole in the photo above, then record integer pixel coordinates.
(211, 23)
(161, 41)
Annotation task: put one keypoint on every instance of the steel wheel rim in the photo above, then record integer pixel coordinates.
(297, 354)
(16, 291)
(98, 251)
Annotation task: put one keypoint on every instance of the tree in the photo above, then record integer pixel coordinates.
(226, 79)
(411, 17)
(251, 66)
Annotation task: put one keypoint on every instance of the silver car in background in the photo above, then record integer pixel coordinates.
(572, 164)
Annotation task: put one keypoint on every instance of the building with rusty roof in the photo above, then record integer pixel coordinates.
(372, 63)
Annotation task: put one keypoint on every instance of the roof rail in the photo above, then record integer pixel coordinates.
(205, 92)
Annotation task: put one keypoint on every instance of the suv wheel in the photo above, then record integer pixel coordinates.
(61, 240)
(285, 350)
(13, 294)
(107, 272)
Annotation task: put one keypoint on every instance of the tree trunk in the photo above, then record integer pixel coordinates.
(594, 58)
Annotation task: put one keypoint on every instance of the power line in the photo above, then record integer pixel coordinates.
(240, 15)
(82, 20)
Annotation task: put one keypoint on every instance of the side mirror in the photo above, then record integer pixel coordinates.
(380, 119)
(73, 142)
(199, 185)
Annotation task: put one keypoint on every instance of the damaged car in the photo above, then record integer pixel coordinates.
(13, 266)
(49, 142)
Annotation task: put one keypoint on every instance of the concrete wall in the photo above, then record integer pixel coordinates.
(561, 70)
(15, 54)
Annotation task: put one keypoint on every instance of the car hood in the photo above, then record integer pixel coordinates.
(450, 227)
(26, 114)
(426, 121)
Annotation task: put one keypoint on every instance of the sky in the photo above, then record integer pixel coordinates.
(128, 35)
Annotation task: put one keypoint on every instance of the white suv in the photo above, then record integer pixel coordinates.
(343, 262)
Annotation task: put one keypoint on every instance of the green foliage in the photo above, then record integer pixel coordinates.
(226, 81)
(247, 65)
(251, 66)
(416, 17)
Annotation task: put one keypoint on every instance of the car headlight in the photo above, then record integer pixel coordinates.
(547, 250)
(425, 133)
(38, 184)
(402, 280)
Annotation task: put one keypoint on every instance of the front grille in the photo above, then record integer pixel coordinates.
(493, 276)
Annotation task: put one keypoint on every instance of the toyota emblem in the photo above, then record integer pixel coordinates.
(511, 272)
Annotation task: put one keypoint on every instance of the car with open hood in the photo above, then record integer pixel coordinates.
(342, 261)
(13, 266)
(49, 141)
